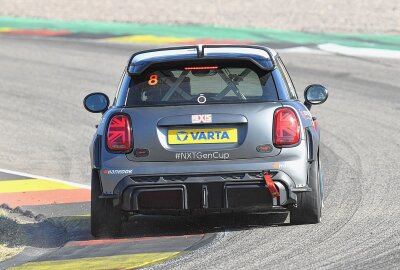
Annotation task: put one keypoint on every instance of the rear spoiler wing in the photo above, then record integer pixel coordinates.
(137, 67)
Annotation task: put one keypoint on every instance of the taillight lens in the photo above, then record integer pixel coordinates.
(286, 127)
(119, 134)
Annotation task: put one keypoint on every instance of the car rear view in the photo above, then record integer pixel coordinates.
(194, 132)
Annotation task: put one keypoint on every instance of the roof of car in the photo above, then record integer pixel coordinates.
(260, 55)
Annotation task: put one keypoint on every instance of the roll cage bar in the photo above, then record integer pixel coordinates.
(231, 83)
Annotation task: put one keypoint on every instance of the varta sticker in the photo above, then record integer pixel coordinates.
(202, 136)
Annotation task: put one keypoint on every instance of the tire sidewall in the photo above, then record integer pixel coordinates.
(106, 219)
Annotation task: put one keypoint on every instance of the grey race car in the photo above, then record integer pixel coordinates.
(205, 129)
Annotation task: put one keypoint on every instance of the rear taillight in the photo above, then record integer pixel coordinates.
(119, 134)
(286, 127)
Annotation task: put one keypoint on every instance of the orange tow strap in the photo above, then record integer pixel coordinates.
(271, 186)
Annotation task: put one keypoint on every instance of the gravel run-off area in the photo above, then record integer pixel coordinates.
(340, 16)
(10, 236)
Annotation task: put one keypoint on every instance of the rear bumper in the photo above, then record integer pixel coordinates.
(292, 162)
(177, 194)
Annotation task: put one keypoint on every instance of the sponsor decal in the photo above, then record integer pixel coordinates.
(117, 171)
(201, 118)
(279, 165)
(201, 155)
(198, 136)
(306, 114)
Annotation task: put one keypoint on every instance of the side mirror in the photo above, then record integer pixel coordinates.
(96, 102)
(315, 94)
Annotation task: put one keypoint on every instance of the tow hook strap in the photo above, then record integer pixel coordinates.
(271, 186)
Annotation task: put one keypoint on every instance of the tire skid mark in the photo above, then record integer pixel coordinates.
(375, 223)
(364, 118)
(357, 247)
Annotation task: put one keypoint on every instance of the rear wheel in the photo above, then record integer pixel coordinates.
(105, 217)
(309, 204)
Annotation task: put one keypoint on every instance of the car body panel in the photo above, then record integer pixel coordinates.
(150, 134)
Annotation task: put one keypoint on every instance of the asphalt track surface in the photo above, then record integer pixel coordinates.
(45, 131)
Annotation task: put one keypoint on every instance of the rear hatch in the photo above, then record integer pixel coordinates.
(202, 112)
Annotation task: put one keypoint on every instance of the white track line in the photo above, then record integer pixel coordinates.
(303, 50)
(360, 52)
(45, 178)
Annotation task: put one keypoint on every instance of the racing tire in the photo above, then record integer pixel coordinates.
(105, 218)
(309, 204)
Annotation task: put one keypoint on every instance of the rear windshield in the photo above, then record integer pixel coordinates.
(201, 84)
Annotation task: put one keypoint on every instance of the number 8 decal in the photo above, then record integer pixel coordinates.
(153, 80)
